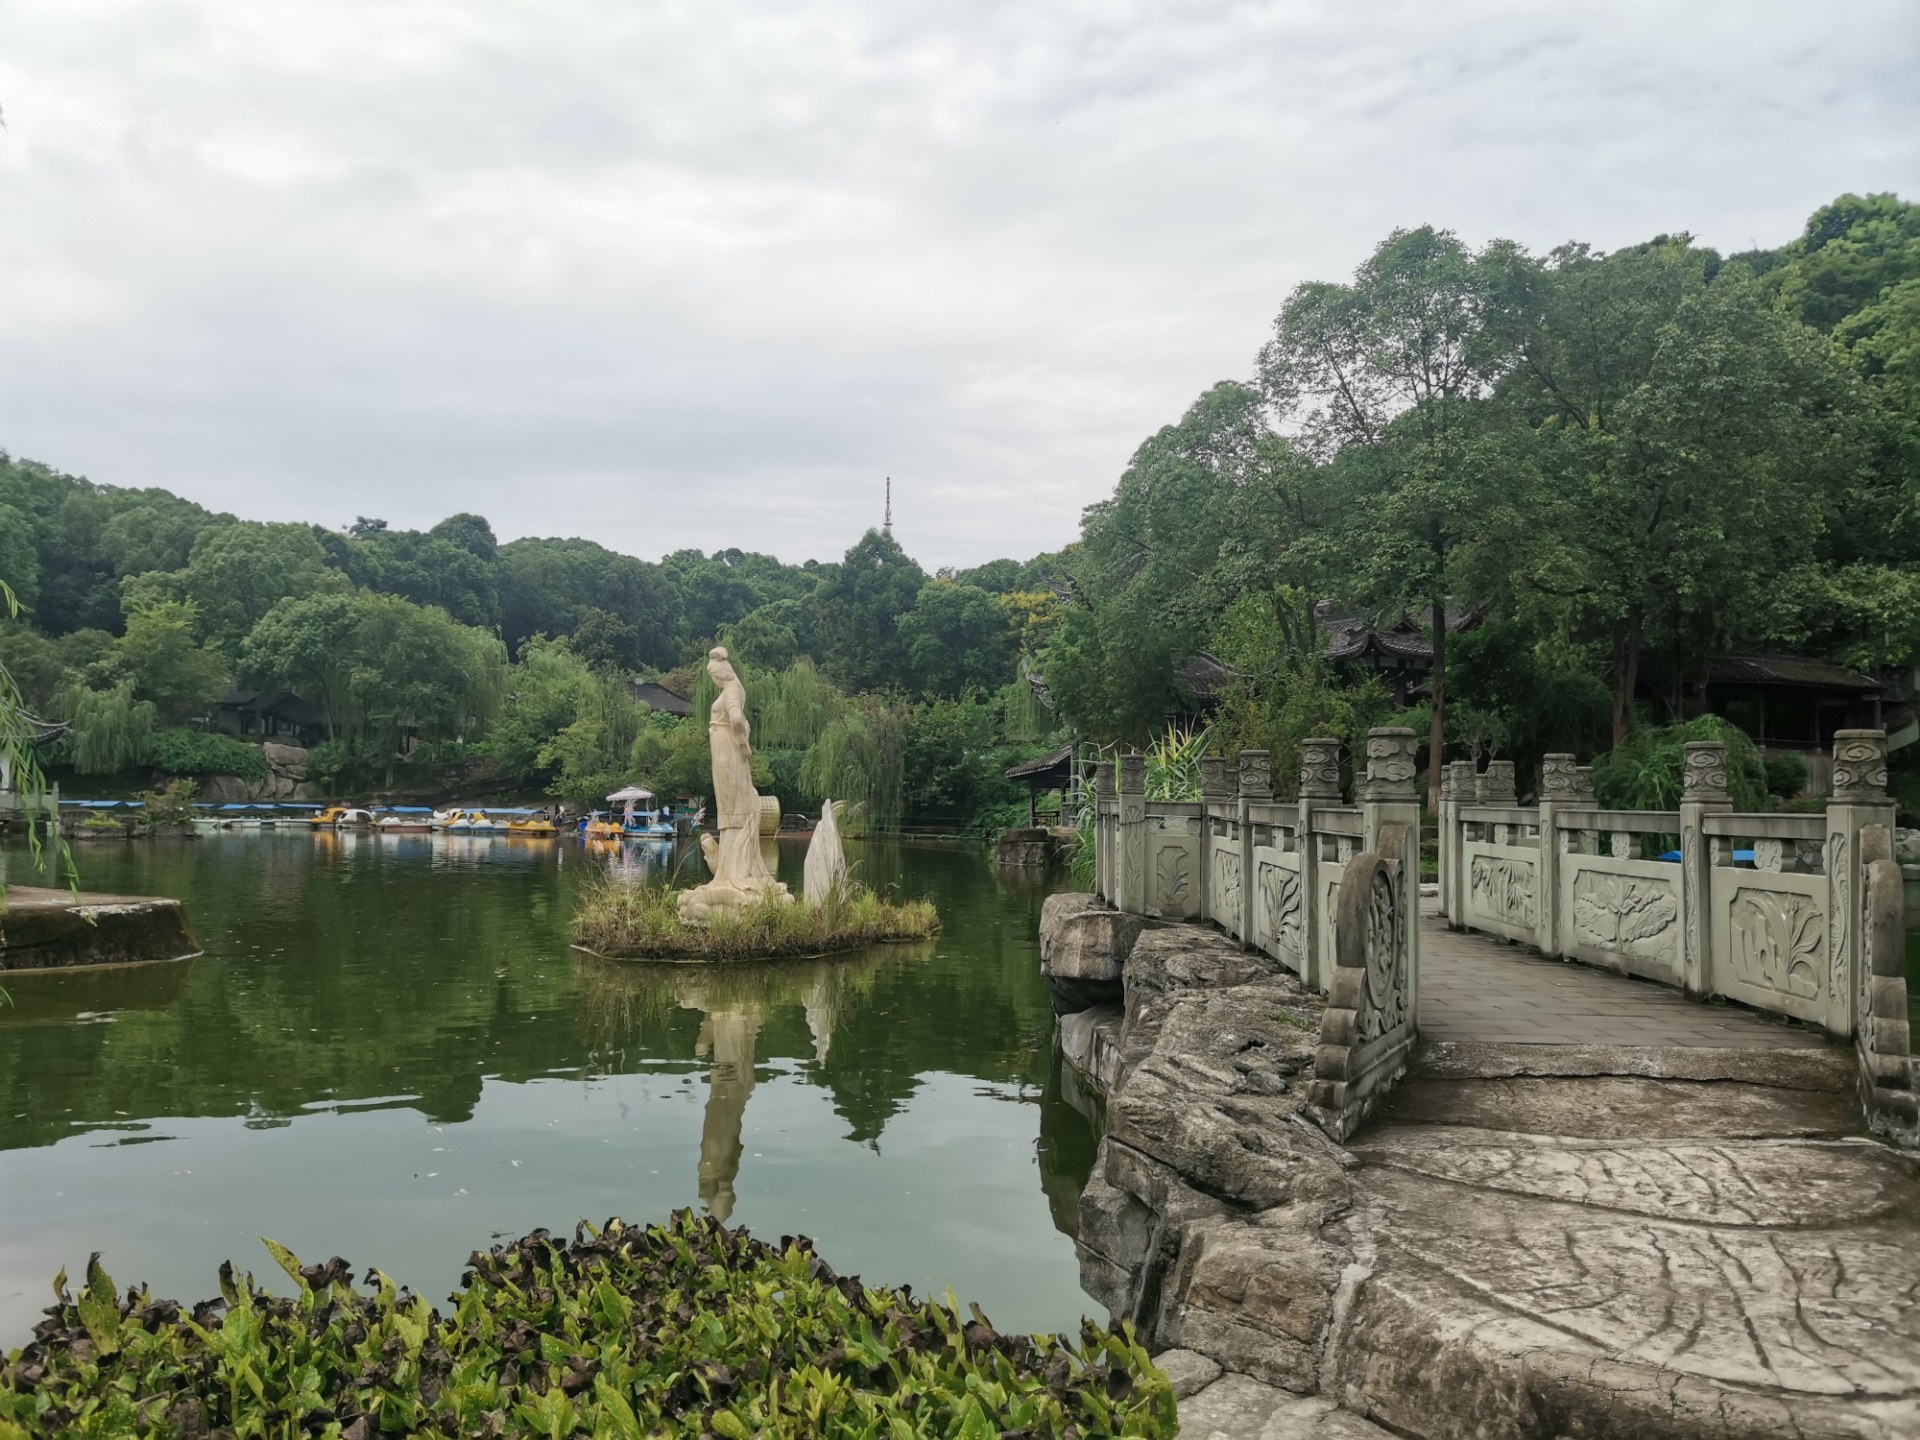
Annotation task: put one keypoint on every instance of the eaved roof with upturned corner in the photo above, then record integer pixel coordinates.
(1050, 761)
(1787, 670)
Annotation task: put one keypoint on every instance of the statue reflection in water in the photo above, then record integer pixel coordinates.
(735, 1003)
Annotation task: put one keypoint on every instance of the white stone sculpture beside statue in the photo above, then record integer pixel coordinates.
(740, 875)
(826, 870)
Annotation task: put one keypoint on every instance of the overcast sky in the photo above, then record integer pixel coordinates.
(703, 274)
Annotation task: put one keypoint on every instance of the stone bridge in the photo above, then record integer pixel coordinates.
(1375, 1168)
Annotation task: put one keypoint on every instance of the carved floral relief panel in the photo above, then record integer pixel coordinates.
(1280, 907)
(1173, 879)
(1777, 941)
(1226, 888)
(1631, 915)
(1502, 890)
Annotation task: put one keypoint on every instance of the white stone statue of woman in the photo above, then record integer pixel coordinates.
(740, 876)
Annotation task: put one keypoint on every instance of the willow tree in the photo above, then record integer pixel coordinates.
(20, 773)
(110, 731)
(860, 760)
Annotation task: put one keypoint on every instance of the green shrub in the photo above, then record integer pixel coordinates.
(1786, 773)
(171, 806)
(181, 751)
(682, 1329)
(1647, 772)
(643, 922)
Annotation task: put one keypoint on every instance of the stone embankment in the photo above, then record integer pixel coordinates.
(43, 930)
(1029, 847)
(288, 778)
(1527, 1240)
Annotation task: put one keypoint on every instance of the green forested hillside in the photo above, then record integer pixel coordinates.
(1619, 464)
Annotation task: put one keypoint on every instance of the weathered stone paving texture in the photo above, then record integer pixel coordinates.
(1473, 987)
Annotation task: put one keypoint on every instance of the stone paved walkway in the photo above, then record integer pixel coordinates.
(1474, 987)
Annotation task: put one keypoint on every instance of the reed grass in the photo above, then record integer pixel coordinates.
(642, 922)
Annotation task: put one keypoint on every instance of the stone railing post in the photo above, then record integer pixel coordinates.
(1319, 786)
(1704, 793)
(1559, 790)
(1132, 878)
(1883, 1043)
(1390, 828)
(1496, 784)
(1859, 800)
(1105, 835)
(1216, 799)
(1256, 788)
(1465, 783)
(1443, 818)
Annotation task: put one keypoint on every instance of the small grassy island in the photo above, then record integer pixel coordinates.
(642, 922)
(682, 1329)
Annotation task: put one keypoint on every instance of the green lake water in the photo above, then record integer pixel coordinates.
(388, 1052)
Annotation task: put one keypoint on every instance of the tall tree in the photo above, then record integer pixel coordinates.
(957, 638)
(1691, 439)
(1384, 373)
(237, 573)
(857, 614)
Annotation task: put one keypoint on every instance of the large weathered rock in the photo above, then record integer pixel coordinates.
(56, 930)
(1090, 1043)
(1206, 1127)
(288, 778)
(1084, 945)
(1235, 1407)
(1186, 1370)
(1026, 847)
(1134, 1214)
(1258, 1294)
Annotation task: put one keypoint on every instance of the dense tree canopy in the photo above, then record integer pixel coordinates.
(1613, 466)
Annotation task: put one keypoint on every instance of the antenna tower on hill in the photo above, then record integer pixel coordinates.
(887, 528)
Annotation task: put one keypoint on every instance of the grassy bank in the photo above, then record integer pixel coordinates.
(642, 922)
(682, 1329)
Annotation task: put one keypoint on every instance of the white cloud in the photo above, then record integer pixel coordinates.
(701, 274)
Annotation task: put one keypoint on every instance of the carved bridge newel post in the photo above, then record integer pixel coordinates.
(1464, 780)
(1559, 790)
(1704, 793)
(1369, 1027)
(1256, 788)
(1859, 800)
(1496, 784)
(1105, 836)
(1319, 788)
(1883, 1039)
(1216, 801)
(1132, 878)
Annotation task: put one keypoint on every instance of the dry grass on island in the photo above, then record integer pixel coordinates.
(642, 922)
